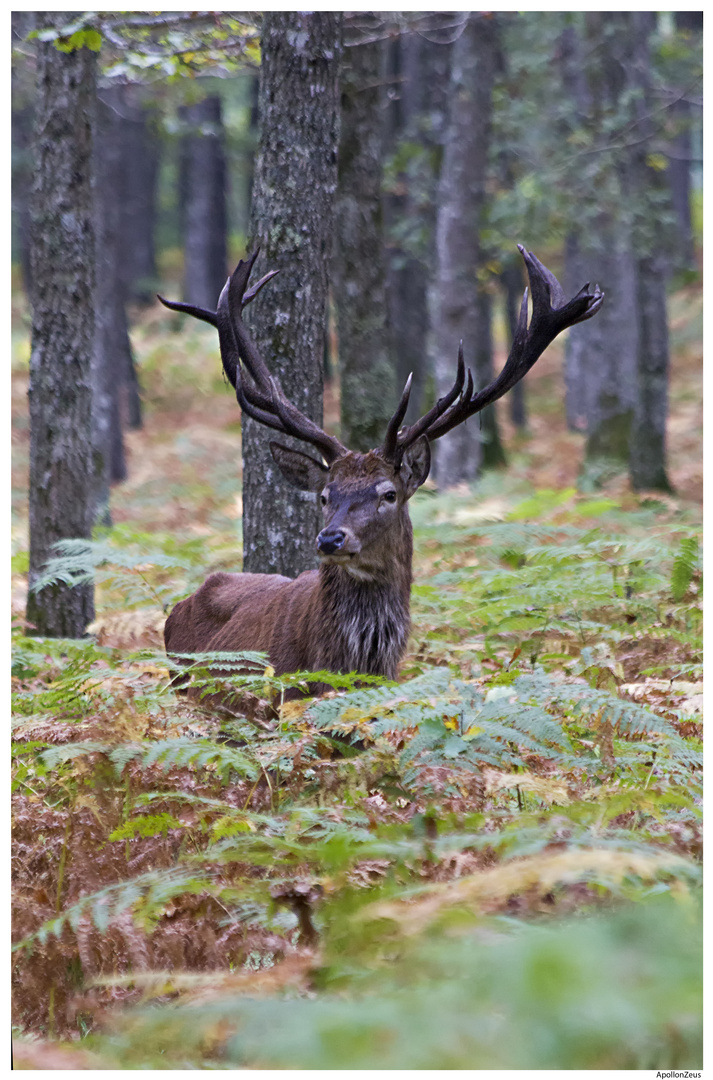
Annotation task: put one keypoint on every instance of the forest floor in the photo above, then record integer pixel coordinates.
(416, 902)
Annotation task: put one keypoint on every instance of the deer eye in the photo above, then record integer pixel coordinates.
(390, 496)
(324, 500)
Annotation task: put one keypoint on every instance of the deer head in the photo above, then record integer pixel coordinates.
(364, 496)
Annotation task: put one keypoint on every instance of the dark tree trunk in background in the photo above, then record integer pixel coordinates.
(600, 374)
(417, 75)
(617, 364)
(609, 351)
(112, 354)
(62, 253)
(366, 373)
(679, 170)
(205, 206)
(21, 149)
(460, 308)
(679, 176)
(141, 148)
(292, 221)
(512, 285)
(511, 277)
(647, 463)
(601, 354)
(574, 83)
(112, 167)
(575, 345)
(21, 179)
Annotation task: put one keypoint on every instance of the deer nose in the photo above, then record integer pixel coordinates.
(330, 540)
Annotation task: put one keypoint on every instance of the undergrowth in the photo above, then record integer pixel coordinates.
(463, 869)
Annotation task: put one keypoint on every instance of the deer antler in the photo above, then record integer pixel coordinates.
(551, 314)
(263, 399)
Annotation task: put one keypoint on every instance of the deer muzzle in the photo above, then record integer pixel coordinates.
(331, 541)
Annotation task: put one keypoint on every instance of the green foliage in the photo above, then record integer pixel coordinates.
(685, 564)
(590, 994)
(434, 835)
(172, 45)
(558, 148)
(74, 35)
(128, 564)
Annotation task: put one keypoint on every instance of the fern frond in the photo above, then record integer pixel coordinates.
(686, 562)
(150, 890)
(605, 867)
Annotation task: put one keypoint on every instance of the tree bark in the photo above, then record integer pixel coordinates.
(112, 359)
(512, 286)
(647, 462)
(205, 208)
(601, 355)
(609, 346)
(113, 166)
(689, 24)
(62, 257)
(574, 83)
(22, 126)
(417, 78)
(461, 307)
(366, 373)
(142, 147)
(292, 223)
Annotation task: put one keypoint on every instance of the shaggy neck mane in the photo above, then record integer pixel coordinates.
(368, 619)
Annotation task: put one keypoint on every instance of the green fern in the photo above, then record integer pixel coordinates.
(685, 564)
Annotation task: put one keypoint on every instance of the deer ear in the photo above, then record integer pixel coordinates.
(416, 465)
(299, 469)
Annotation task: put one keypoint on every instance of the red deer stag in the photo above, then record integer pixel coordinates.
(352, 614)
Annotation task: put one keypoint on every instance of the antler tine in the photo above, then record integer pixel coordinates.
(551, 313)
(255, 289)
(410, 434)
(388, 448)
(263, 399)
(267, 393)
(206, 315)
(189, 309)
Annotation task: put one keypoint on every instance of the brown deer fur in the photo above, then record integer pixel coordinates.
(350, 615)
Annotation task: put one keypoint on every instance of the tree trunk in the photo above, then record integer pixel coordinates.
(205, 208)
(113, 166)
(138, 249)
(574, 84)
(22, 125)
(365, 370)
(62, 257)
(647, 464)
(461, 310)
(688, 23)
(417, 78)
(512, 286)
(292, 221)
(575, 345)
(112, 358)
(601, 355)
(610, 364)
